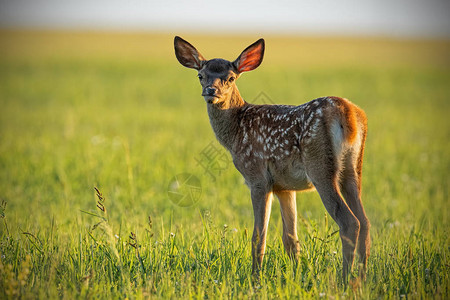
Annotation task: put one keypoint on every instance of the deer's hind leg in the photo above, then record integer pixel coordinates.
(322, 167)
(350, 186)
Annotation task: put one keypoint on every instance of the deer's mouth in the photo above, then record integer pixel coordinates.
(211, 99)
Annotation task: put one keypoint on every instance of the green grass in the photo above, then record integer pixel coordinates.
(117, 112)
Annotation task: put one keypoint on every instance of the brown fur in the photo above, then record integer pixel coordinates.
(280, 149)
(348, 118)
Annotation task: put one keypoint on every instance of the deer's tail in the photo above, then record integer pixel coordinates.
(350, 117)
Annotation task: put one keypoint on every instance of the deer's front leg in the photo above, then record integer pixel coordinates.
(289, 215)
(262, 203)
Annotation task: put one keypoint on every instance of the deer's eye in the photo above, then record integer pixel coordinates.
(200, 76)
(231, 79)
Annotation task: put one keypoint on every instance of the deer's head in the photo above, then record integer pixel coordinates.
(218, 76)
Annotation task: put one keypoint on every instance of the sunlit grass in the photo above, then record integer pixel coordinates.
(117, 112)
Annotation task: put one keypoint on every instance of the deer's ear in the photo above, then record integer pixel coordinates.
(251, 57)
(187, 55)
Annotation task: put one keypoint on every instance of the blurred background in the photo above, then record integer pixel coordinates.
(400, 18)
(91, 95)
(79, 76)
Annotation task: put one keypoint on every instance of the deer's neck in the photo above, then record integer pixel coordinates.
(225, 119)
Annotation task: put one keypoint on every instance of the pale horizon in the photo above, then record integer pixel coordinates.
(401, 18)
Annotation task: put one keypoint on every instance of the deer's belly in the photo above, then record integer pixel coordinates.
(289, 176)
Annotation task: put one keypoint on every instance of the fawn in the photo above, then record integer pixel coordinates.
(281, 149)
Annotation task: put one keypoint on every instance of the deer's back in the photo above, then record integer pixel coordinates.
(273, 139)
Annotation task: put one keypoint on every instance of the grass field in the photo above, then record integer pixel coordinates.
(117, 112)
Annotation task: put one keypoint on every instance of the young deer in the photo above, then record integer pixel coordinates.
(281, 149)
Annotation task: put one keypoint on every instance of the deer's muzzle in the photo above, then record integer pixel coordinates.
(209, 91)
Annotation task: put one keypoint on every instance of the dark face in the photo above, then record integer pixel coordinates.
(217, 77)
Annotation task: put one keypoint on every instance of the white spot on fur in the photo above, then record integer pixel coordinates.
(311, 116)
(315, 125)
(245, 139)
(259, 139)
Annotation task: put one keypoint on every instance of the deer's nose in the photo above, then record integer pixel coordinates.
(210, 91)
